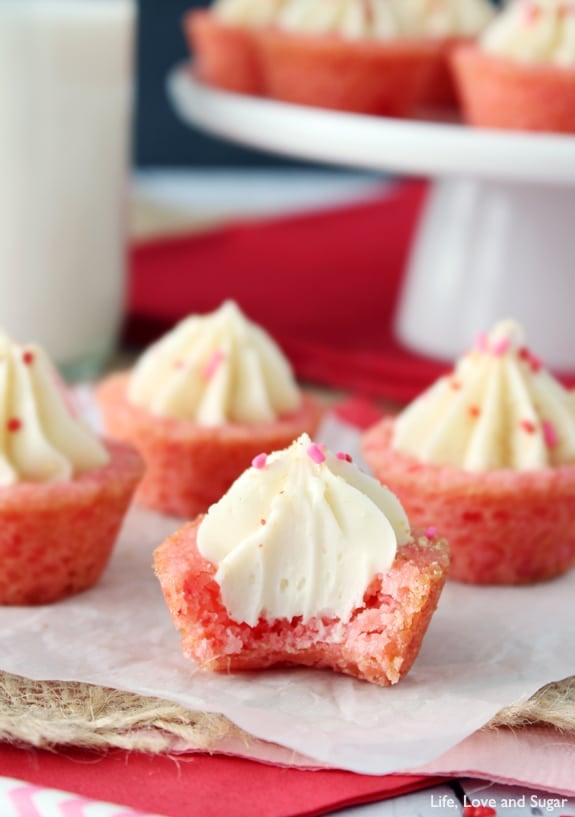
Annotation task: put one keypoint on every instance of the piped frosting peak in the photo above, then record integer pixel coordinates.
(303, 532)
(499, 408)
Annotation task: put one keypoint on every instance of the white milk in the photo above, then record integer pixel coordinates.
(65, 106)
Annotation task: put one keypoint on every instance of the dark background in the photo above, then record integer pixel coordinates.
(161, 139)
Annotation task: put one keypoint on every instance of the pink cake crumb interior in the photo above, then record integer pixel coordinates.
(503, 526)
(379, 643)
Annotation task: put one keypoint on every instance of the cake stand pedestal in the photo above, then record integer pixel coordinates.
(497, 235)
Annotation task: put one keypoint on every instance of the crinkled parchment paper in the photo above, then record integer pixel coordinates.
(485, 648)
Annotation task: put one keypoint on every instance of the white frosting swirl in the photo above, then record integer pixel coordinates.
(444, 18)
(251, 13)
(303, 534)
(362, 19)
(534, 31)
(498, 409)
(41, 438)
(215, 369)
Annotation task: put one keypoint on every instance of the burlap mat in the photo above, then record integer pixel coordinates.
(51, 713)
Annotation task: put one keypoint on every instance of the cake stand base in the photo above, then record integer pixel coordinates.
(488, 250)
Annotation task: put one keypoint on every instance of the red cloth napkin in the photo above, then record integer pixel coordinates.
(325, 285)
(200, 785)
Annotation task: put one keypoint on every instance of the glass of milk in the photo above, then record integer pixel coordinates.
(66, 82)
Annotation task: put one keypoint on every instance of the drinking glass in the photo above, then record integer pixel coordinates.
(66, 88)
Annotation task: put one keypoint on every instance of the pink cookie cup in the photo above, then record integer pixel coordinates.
(225, 56)
(503, 526)
(189, 467)
(498, 92)
(384, 79)
(439, 92)
(378, 644)
(56, 538)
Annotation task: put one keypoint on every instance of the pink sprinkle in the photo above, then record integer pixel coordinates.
(550, 434)
(501, 347)
(532, 13)
(528, 426)
(431, 532)
(345, 457)
(315, 453)
(260, 461)
(213, 363)
(481, 342)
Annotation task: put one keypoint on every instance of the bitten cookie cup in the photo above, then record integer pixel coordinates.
(503, 526)
(225, 56)
(383, 79)
(379, 643)
(56, 538)
(499, 92)
(188, 466)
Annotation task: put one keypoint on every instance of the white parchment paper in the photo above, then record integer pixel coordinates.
(486, 648)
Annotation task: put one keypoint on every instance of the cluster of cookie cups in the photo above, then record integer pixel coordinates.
(387, 79)
(400, 78)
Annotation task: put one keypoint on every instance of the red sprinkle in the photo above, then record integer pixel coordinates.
(479, 811)
(316, 454)
(345, 457)
(213, 364)
(475, 411)
(528, 426)
(259, 461)
(530, 358)
(28, 358)
(550, 434)
(14, 424)
(431, 532)
(535, 363)
(262, 521)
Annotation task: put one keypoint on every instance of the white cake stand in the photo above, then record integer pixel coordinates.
(497, 236)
